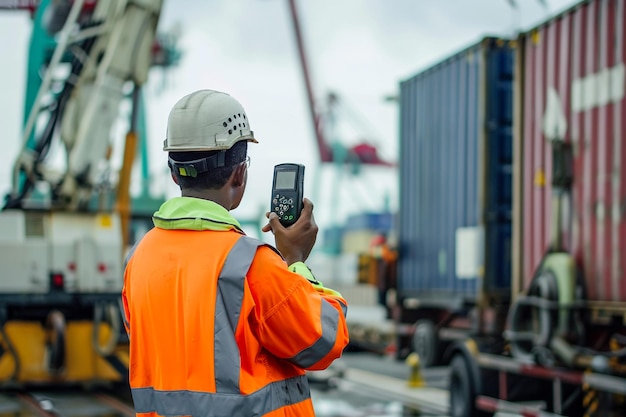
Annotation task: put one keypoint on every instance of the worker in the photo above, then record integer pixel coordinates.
(384, 259)
(219, 323)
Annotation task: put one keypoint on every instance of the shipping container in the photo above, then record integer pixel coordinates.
(358, 241)
(376, 222)
(573, 93)
(562, 351)
(454, 227)
(454, 223)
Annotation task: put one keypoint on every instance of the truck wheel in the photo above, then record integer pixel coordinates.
(55, 342)
(426, 343)
(463, 390)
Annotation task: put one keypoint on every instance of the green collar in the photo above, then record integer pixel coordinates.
(188, 213)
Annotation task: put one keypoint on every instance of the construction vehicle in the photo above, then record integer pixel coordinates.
(65, 225)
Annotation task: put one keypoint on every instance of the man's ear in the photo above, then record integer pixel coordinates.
(239, 175)
(174, 178)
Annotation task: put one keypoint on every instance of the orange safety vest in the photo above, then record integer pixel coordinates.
(219, 326)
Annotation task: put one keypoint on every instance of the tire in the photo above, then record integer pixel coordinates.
(426, 343)
(55, 343)
(463, 389)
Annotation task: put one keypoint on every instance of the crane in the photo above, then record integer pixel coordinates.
(333, 152)
(64, 228)
(362, 153)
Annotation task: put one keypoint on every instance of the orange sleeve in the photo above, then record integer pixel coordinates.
(126, 312)
(293, 320)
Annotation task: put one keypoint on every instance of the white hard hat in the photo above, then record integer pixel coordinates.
(206, 120)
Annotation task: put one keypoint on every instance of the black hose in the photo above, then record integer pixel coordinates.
(12, 351)
(542, 295)
(55, 326)
(115, 321)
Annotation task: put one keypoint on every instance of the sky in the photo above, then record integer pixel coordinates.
(358, 49)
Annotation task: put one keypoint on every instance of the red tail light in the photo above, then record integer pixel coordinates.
(57, 281)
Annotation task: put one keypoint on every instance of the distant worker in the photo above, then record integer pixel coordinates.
(384, 259)
(221, 324)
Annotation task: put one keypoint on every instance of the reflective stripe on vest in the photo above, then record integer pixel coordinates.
(227, 400)
(197, 404)
(230, 288)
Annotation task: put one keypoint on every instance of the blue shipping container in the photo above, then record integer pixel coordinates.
(377, 222)
(456, 156)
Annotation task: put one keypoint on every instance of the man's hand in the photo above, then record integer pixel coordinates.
(296, 241)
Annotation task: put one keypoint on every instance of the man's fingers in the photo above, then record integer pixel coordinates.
(307, 208)
(273, 222)
(273, 219)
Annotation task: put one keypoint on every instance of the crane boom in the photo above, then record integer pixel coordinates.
(326, 154)
(362, 153)
(110, 46)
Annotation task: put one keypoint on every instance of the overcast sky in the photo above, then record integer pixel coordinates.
(359, 49)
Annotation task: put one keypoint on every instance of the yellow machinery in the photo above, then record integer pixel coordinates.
(64, 229)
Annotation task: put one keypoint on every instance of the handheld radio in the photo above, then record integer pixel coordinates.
(287, 192)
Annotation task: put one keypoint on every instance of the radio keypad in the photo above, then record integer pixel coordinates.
(284, 207)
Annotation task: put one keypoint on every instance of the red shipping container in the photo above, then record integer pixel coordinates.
(573, 76)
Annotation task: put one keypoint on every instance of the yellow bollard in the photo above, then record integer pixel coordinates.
(415, 378)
